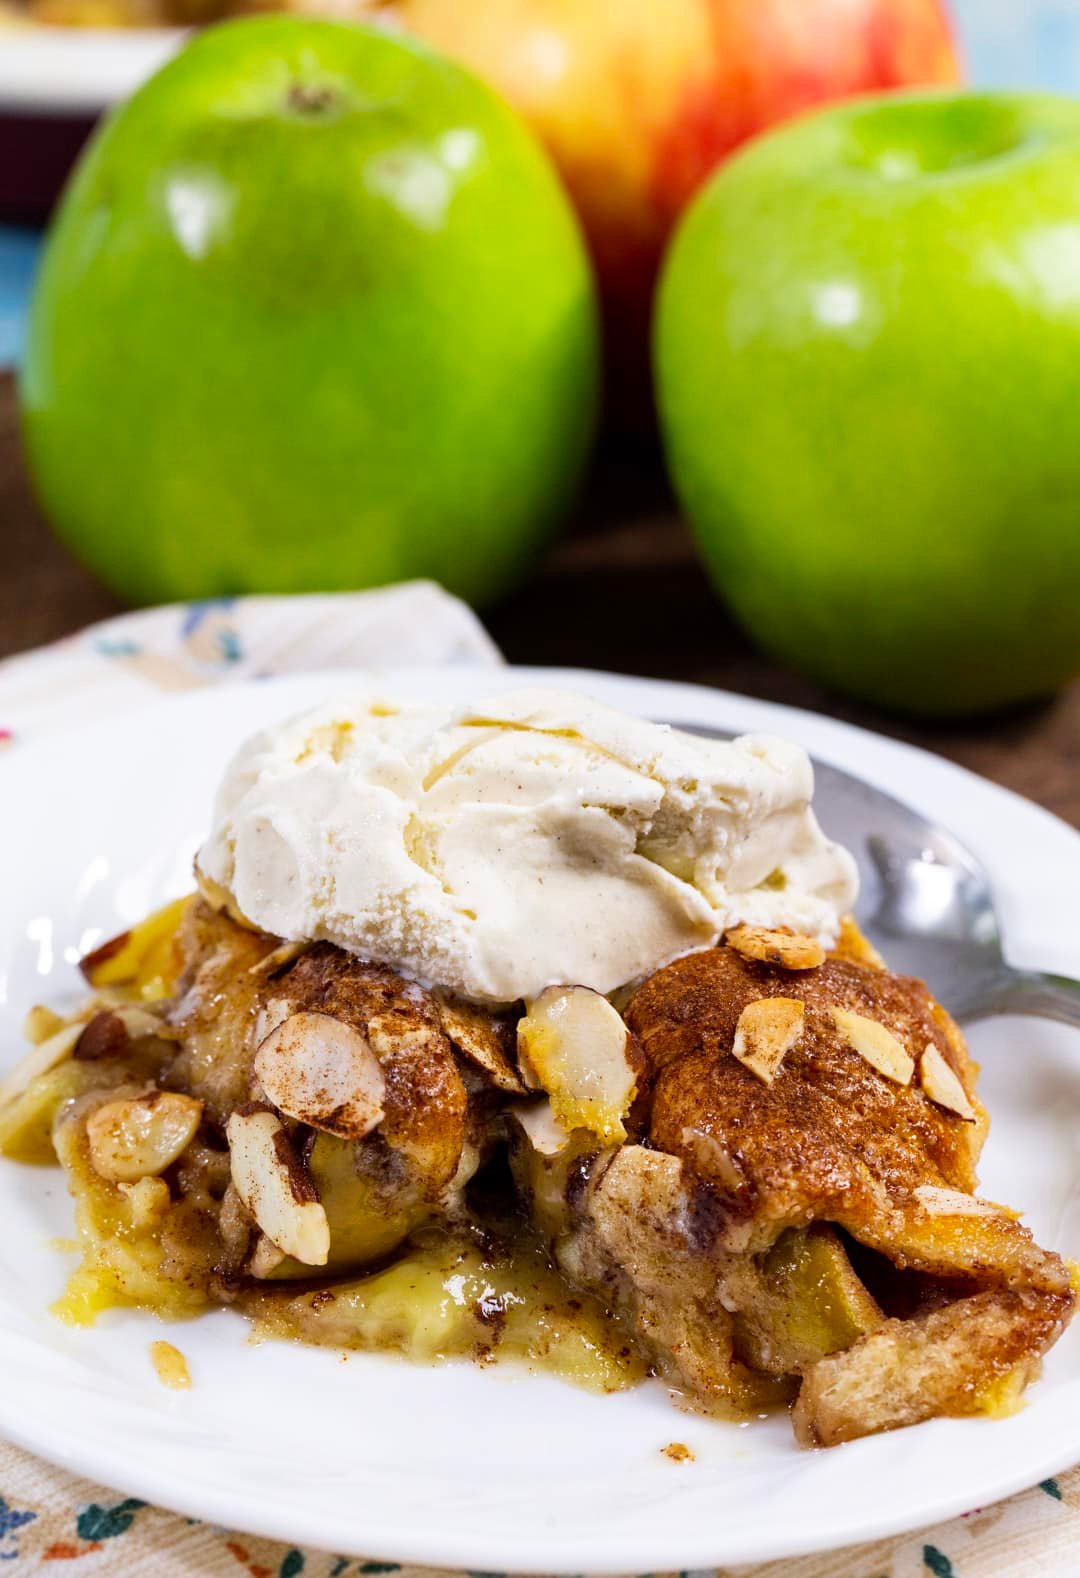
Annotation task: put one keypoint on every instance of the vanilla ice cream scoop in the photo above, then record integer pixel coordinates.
(530, 838)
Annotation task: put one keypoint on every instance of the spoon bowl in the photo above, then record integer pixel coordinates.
(927, 903)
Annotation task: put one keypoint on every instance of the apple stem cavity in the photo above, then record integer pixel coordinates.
(312, 99)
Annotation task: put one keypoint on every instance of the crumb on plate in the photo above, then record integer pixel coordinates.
(171, 1366)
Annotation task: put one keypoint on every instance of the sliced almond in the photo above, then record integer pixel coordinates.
(479, 1037)
(139, 1021)
(323, 1072)
(789, 950)
(276, 1187)
(877, 1045)
(273, 1012)
(467, 1168)
(110, 1031)
(105, 1036)
(574, 1045)
(942, 1084)
(427, 1104)
(937, 1201)
(265, 1258)
(766, 1032)
(541, 1127)
(139, 1137)
(47, 1055)
(712, 1160)
(41, 1023)
(279, 958)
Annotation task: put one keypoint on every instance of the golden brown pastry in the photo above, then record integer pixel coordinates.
(801, 1210)
(758, 1182)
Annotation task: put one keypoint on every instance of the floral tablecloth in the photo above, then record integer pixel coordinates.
(55, 1524)
(51, 1522)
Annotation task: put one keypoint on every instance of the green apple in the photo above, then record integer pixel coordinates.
(315, 313)
(867, 345)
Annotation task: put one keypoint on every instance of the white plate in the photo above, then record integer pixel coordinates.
(78, 71)
(486, 1469)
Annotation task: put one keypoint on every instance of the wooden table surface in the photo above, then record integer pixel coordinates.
(622, 591)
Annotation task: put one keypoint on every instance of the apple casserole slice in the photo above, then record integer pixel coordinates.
(796, 1216)
(309, 1138)
(756, 1181)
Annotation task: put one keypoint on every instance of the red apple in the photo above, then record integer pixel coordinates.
(638, 100)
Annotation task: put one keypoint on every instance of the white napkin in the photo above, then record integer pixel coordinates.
(120, 664)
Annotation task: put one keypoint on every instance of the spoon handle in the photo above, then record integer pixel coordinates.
(1027, 992)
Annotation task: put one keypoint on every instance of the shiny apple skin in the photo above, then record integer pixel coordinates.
(639, 100)
(867, 343)
(315, 314)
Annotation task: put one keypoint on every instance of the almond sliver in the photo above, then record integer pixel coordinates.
(322, 1071)
(789, 950)
(766, 1032)
(275, 1186)
(41, 1058)
(937, 1201)
(139, 1137)
(878, 1046)
(941, 1083)
(542, 1129)
(576, 1048)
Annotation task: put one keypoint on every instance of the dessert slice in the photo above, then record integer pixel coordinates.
(798, 1216)
(313, 1140)
(758, 1182)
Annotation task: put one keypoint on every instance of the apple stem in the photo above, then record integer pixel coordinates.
(309, 98)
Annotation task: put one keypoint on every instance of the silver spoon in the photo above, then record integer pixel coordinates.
(927, 903)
